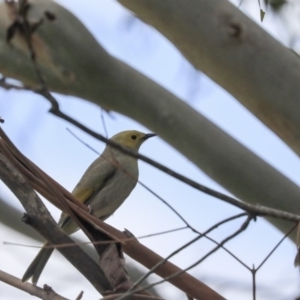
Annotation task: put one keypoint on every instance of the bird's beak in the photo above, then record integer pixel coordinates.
(148, 136)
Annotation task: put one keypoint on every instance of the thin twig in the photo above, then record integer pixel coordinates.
(96, 242)
(82, 141)
(241, 229)
(134, 297)
(29, 288)
(79, 296)
(277, 245)
(152, 270)
(103, 123)
(255, 270)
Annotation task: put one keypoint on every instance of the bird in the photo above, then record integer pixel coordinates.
(103, 187)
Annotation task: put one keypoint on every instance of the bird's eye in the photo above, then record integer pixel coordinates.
(133, 137)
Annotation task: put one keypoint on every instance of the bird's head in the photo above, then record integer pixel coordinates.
(131, 138)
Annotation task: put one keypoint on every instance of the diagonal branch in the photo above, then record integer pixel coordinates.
(46, 293)
(40, 219)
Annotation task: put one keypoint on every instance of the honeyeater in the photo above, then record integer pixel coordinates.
(104, 186)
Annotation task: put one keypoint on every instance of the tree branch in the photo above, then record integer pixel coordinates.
(46, 293)
(40, 219)
(257, 57)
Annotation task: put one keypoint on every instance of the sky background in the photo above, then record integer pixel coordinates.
(45, 140)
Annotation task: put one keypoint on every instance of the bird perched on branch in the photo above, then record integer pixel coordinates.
(104, 186)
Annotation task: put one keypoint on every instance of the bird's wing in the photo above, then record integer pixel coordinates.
(83, 194)
(92, 181)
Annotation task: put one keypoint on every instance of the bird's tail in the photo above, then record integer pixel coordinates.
(36, 267)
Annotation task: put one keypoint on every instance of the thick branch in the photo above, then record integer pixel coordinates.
(234, 51)
(42, 221)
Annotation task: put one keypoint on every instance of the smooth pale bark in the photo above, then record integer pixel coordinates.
(74, 63)
(218, 39)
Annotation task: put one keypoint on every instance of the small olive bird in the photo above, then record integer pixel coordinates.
(104, 186)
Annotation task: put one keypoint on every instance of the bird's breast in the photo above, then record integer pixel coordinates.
(116, 190)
